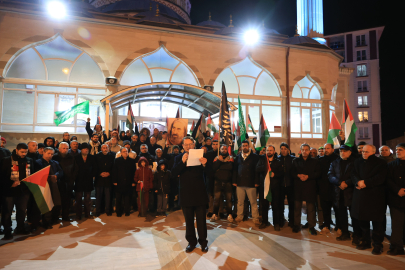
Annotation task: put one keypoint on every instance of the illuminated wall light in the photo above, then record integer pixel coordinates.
(251, 36)
(56, 9)
(65, 70)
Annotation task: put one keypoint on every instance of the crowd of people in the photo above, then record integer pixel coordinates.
(142, 172)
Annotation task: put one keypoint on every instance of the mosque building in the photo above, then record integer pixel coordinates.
(148, 54)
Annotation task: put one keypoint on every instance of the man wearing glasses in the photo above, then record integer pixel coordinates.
(193, 195)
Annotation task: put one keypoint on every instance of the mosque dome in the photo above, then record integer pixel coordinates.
(298, 40)
(211, 23)
(230, 30)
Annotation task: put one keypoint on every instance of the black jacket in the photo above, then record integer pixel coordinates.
(152, 149)
(86, 173)
(4, 152)
(68, 142)
(276, 167)
(69, 167)
(192, 189)
(54, 170)
(223, 170)
(305, 190)
(123, 175)
(286, 164)
(34, 156)
(326, 190)
(209, 175)
(369, 203)
(336, 178)
(161, 181)
(90, 133)
(5, 171)
(105, 163)
(148, 156)
(396, 181)
(244, 171)
(70, 152)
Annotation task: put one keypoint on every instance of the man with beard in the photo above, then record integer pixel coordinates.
(98, 129)
(103, 182)
(193, 196)
(115, 147)
(305, 171)
(222, 168)
(70, 169)
(369, 197)
(246, 181)
(74, 149)
(54, 178)
(209, 175)
(142, 140)
(325, 188)
(153, 146)
(84, 181)
(277, 203)
(94, 144)
(49, 142)
(177, 132)
(339, 175)
(145, 153)
(14, 169)
(134, 141)
(208, 144)
(65, 138)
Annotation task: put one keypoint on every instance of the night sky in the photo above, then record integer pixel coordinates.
(339, 16)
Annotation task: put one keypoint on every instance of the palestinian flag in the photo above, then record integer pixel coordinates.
(264, 135)
(37, 183)
(238, 142)
(130, 119)
(192, 127)
(350, 126)
(267, 191)
(334, 129)
(196, 130)
(211, 125)
(250, 125)
(233, 127)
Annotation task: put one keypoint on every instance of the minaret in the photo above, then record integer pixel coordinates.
(310, 19)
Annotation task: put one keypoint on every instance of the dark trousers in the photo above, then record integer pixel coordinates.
(134, 197)
(327, 212)
(289, 192)
(37, 216)
(311, 214)
(199, 212)
(342, 219)
(398, 227)
(152, 201)
(106, 193)
(20, 203)
(161, 202)
(65, 191)
(378, 232)
(145, 202)
(277, 204)
(222, 189)
(122, 203)
(80, 202)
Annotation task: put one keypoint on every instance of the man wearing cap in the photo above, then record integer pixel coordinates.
(396, 200)
(84, 181)
(340, 177)
(369, 177)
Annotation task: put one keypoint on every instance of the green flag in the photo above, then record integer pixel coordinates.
(63, 116)
(241, 122)
(264, 135)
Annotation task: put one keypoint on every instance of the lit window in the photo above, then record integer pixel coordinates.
(361, 70)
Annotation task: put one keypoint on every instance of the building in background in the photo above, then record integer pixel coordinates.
(360, 50)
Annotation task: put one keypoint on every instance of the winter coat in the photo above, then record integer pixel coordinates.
(123, 175)
(210, 172)
(73, 154)
(145, 175)
(34, 156)
(87, 171)
(244, 171)
(152, 149)
(336, 178)
(369, 203)
(5, 171)
(326, 190)
(105, 163)
(90, 132)
(305, 190)
(53, 144)
(4, 152)
(161, 181)
(223, 170)
(286, 164)
(276, 168)
(396, 181)
(192, 189)
(69, 167)
(388, 159)
(54, 170)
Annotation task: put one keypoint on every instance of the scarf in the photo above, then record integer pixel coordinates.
(15, 169)
(100, 135)
(244, 156)
(94, 148)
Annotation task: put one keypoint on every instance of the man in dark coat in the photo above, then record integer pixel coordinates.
(339, 175)
(95, 145)
(287, 183)
(174, 182)
(84, 181)
(153, 146)
(246, 181)
(55, 176)
(13, 169)
(123, 180)
(49, 142)
(74, 149)
(65, 138)
(3, 154)
(98, 129)
(223, 169)
(396, 200)
(325, 189)
(277, 203)
(145, 153)
(369, 177)
(33, 150)
(209, 176)
(305, 171)
(193, 196)
(70, 169)
(103, 182)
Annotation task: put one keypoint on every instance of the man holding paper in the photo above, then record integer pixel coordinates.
(192, 192)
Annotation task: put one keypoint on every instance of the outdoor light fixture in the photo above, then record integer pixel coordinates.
(56, 9)
(251, 36)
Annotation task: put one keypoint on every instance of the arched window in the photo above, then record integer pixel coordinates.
(158, 66)
(259, 92)
(48, 76)
(306, 109)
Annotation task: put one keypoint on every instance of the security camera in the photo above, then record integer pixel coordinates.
(111, 81)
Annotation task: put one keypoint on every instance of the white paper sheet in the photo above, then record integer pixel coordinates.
(194, 156)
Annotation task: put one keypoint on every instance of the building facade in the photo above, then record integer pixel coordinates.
(360, 52)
